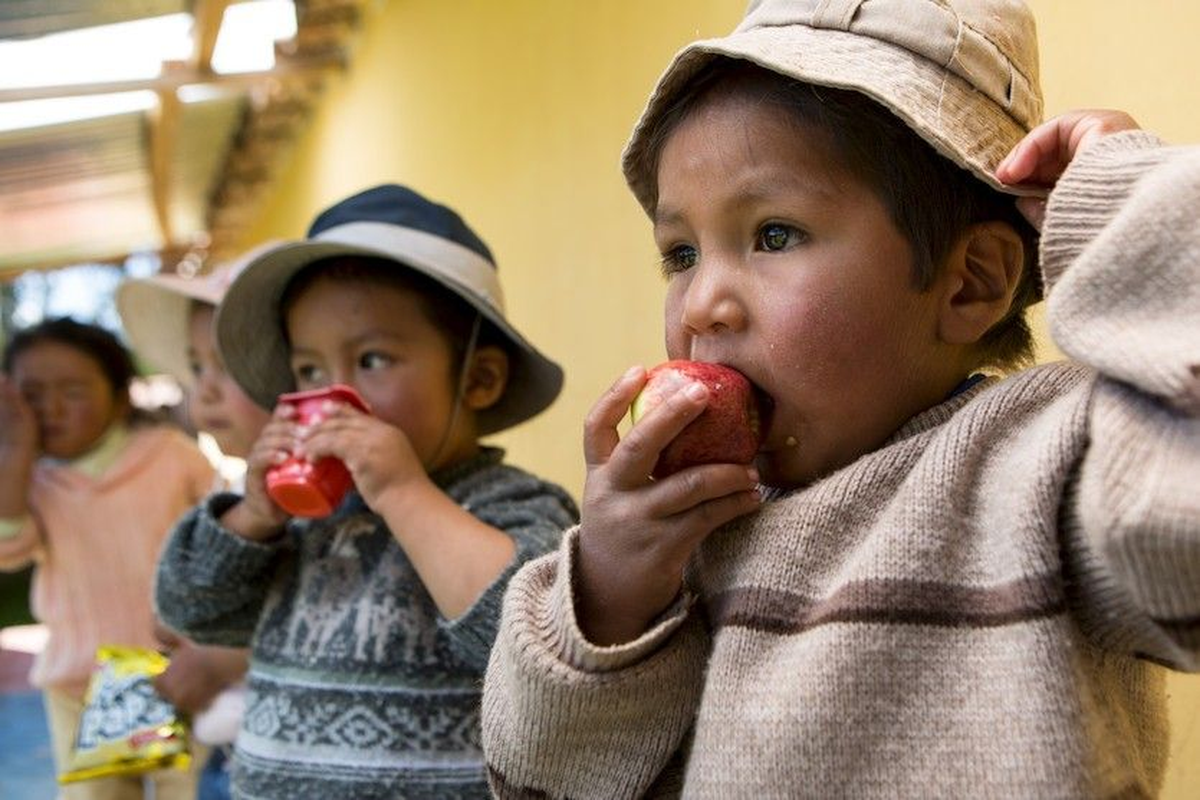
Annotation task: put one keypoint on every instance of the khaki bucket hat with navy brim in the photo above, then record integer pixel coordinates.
(398, 225)
(962, 74)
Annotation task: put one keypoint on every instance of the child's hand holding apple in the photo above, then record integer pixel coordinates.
(653, 496)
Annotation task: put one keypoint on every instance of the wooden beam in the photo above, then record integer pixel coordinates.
(298, 67)
(163, 124)
(206, 25)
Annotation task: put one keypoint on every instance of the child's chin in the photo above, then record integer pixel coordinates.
(785, 468)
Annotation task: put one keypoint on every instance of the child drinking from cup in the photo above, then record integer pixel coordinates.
(88, 496)
(370, 628)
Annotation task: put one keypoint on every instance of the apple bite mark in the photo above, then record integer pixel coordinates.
(729, 429)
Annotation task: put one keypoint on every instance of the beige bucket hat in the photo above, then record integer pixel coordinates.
(154, 311)
(963, 74)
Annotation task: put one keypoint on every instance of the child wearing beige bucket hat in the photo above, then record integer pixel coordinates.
(931, 581)
(168, 319)
(370, 627)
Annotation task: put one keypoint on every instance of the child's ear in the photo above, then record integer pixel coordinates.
(487, 376)
(979, 281)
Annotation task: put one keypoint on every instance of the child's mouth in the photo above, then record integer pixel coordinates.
(765, 405)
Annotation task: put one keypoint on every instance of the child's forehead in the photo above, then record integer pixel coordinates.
(755, 151)
(389, 285)
(332, 305)
(51, 358)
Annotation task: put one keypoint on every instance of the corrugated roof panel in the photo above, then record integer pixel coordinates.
(78, 191)
(205, 132)
(20, 19)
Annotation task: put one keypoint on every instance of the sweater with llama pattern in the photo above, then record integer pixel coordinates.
(358, 688)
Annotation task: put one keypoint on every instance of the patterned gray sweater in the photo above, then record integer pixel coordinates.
(357, 687)
(979, 608)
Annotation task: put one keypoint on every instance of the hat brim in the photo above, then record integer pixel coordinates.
(155, 313)
(251, 337)
(942, 108)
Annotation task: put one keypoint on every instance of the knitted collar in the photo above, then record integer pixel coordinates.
(928, 419)
(486, 457)
(95, 462)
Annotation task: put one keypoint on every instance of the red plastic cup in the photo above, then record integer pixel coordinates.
(306, 488)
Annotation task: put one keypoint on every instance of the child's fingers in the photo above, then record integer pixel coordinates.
(1043, 155)
(1033, 209)
(1038, 158)
(600, 427)
(284, 411)
(335, 433)
(274, 445)
(696, 486)
(634, 459)
(699, 521)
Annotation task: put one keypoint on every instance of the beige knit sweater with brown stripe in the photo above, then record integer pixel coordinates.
(977, 609)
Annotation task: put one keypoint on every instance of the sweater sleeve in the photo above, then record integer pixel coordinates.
(1121, 255)
(565, 718)
(211, 584)
(535, 514)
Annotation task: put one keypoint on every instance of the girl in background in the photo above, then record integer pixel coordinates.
(87, 494)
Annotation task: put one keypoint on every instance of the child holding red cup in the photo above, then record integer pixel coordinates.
(370, 628)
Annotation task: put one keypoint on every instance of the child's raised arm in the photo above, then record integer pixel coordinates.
(457, 554)
(1040, 158)
(1120, 240)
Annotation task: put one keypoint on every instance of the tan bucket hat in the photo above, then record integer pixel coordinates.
(410, 232)
(154, 311)
(963, 74)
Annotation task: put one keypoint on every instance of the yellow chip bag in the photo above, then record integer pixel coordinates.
(126, 728)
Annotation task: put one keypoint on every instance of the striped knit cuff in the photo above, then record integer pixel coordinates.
(576, 650)
(1090, 193)
(227, 552)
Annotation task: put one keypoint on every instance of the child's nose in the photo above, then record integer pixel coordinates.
(208, 385)
(712, 302)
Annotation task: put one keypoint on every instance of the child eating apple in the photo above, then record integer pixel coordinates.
(928, 582)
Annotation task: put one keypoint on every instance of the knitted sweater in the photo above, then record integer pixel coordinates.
(95, 541)
(357, 687)
(976, 609)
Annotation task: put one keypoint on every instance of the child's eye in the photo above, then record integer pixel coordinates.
(775, 237)
(679, 258)
(194, 368)
(373, 360)
(307, 374)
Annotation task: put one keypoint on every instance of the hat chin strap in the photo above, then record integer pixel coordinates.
(461, 390)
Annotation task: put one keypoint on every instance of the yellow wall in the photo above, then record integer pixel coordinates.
(515, 112)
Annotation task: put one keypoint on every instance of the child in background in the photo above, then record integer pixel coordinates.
(370, 629)
(88, 497)
(930, 583)
(169, 321)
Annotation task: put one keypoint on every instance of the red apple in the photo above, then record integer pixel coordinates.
(728, 430)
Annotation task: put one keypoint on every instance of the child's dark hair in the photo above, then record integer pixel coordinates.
(444, 309)
(98, 344)
(929, 198)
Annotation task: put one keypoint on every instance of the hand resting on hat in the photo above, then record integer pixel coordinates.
(1042, 156)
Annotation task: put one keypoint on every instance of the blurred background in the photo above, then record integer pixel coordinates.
(146, 135)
